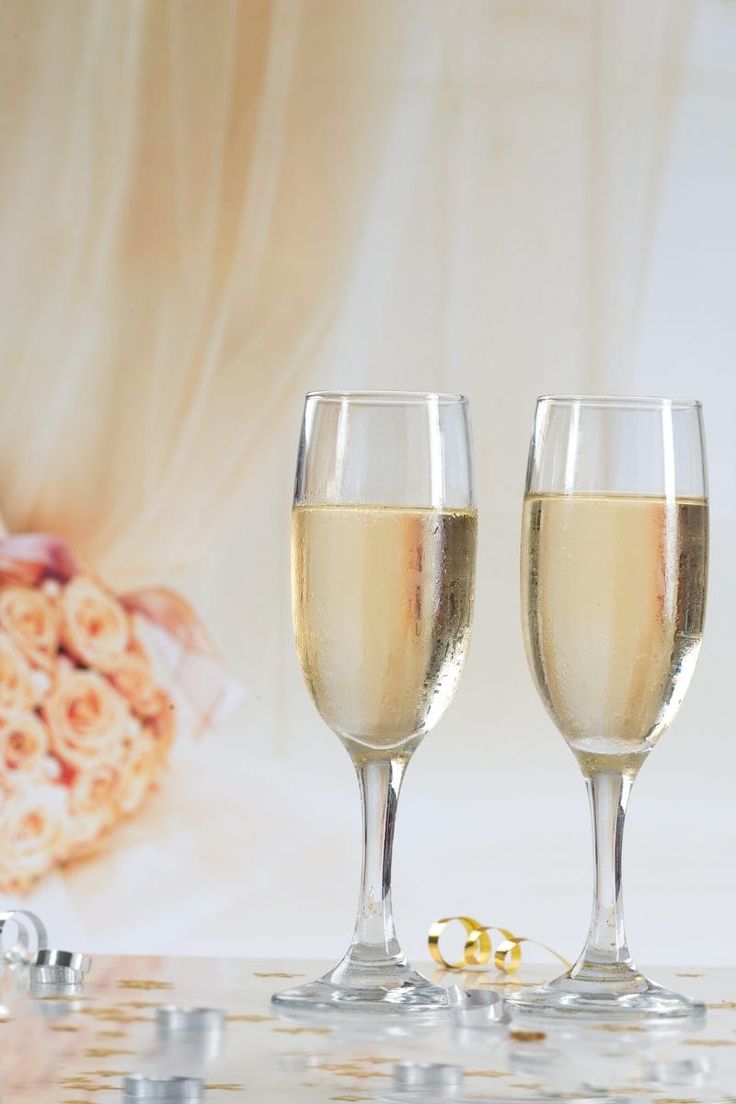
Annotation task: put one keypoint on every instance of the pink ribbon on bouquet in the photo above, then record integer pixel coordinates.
(28, 558)
(197, 667)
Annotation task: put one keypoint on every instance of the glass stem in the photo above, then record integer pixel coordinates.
(374, 940)
(606, 949)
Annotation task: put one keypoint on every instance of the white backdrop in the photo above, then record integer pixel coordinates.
(501, 198)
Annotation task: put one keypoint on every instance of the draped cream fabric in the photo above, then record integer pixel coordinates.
(201, 202)
(207, 208)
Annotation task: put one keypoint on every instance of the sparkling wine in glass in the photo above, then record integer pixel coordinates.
(614, 562)
(383, 572)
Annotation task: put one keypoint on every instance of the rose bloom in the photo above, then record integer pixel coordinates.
(161, 726)
(133, 678)
(138, 773)
(32, 620)
(17, 691)
(87, 720)
(24, 742)
(32, 834)
(92, 806)
(95, 627)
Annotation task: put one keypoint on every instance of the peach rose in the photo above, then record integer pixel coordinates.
(92, 804)
(138, 773)
(133, 678)
(87, 720)
(95, 627)
(161, 726)
(24, 742)
(32, 835)
(31, 620)
(17, 691)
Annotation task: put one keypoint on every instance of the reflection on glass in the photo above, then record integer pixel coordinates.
(188, 1039)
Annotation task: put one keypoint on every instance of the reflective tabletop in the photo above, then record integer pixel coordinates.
(134, 1024)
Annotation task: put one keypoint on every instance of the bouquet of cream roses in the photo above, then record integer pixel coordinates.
(85, 731)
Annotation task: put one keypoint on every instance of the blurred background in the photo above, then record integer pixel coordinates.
(207, 210)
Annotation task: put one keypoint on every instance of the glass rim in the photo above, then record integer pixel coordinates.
(633, 402)
(388, 398)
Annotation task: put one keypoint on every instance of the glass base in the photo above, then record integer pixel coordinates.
(380, 989)
(617, 992)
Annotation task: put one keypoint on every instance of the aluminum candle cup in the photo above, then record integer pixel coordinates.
(68, 960)
(427, 1075)
(55, 970)
(476, 1007)
(171, 1089)
(189, 1038)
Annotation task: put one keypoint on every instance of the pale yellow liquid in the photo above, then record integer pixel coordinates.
(613, 596)
(382, 602)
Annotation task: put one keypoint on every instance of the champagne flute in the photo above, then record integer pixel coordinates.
(383, 573)
(614, 561)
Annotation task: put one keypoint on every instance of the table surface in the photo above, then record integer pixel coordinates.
(75, 1049)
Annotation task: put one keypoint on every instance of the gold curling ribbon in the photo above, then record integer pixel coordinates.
(478, 948)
